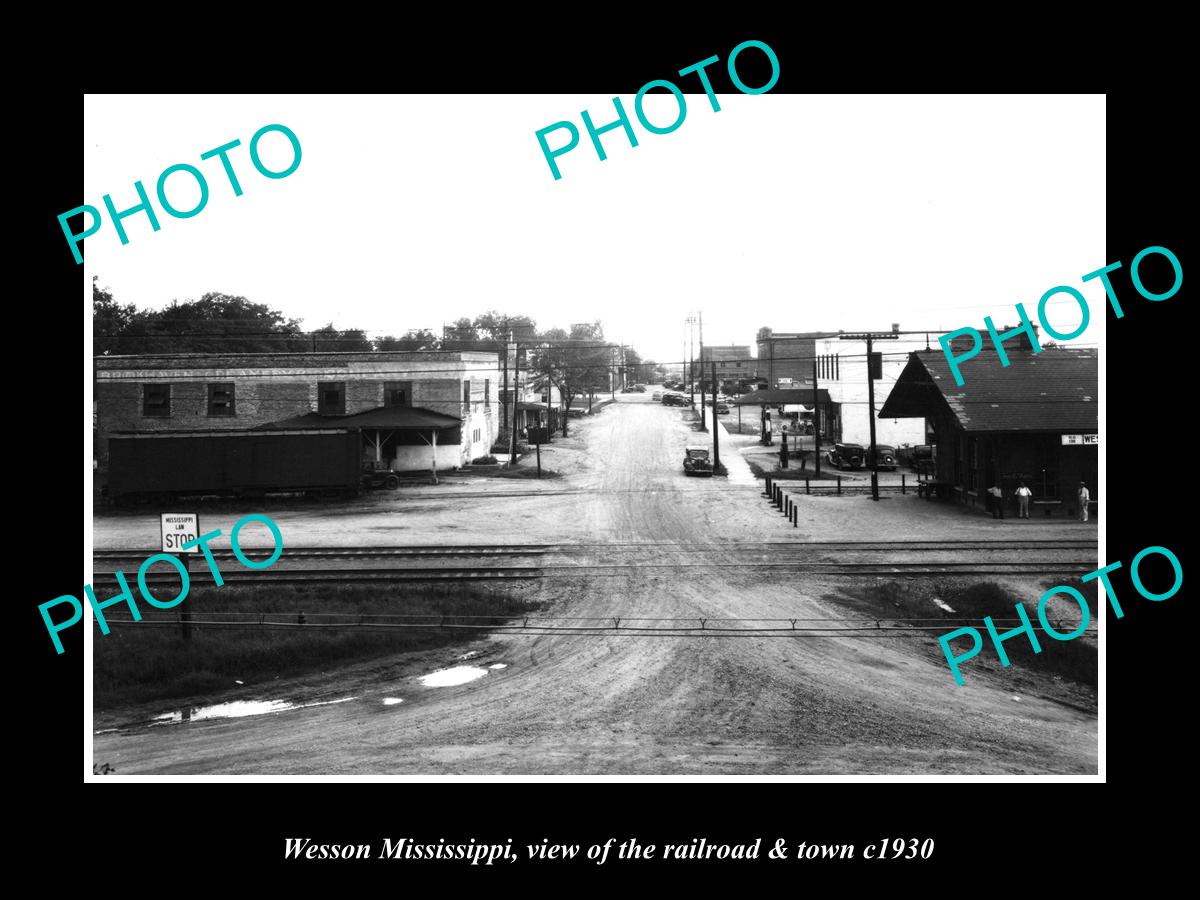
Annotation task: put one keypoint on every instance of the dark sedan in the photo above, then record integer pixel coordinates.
(886, 455)
(848, 456)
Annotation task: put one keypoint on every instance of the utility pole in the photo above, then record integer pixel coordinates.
(691, 372)
(716, 436)
(816, 421)
(504, 393)
(512, 437)
(873, 372)
(700, 321)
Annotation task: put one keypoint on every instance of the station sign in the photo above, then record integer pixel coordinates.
(1080, 440)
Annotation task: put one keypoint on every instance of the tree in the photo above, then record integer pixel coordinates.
(216, 323)
(495, 328)
(110, 320)
(331, 340)
(577, 363)
(413, 339)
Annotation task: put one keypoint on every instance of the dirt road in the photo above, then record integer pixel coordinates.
(564, 704)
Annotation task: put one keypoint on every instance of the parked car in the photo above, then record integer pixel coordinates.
(657, 395)
(722, 408)
(379, 478)
(696, 461)
(847, 456)
(887, 457)
(920, 456)
(675, 400)
(640, 388)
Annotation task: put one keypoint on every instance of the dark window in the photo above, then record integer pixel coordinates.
(220, 399)
(467, 391)
(487, 392)
(331, 398)
(156, 400)
(397, 393)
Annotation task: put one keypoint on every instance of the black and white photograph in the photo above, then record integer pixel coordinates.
(528, 435)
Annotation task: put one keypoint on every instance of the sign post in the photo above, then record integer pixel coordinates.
(177, 529)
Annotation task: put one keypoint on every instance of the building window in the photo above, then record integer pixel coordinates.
(331, 398)
(397, 393)
(487, 392)
(467, 391)
(220, 399)
(156, 400)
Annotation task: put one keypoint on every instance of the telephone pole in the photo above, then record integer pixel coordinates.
(512, 437)
(816, 422)
(716, 436)
(874, 370)
(691, 369)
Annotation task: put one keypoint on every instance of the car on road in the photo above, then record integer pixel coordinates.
(657, 395)
(722, 408)
(847, 456)
(696, 461)
(674, 400)
(886, 455)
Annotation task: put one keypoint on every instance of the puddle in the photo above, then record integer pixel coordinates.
(392, 701)
(498, 666)
(942, 604)
(236, 709)
(454, 676)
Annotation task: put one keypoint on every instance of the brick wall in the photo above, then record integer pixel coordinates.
(271, 387)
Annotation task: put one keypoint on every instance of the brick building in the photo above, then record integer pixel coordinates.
(187, 392)
(787, 355)
(734, 362)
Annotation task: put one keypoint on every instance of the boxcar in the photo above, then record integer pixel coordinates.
(156, 466)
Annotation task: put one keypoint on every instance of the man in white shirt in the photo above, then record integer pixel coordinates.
(1023, 495)
(1085, 500)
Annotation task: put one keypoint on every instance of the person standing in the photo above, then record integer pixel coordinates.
(1085, 500)
(996, 501)
(1023, 495)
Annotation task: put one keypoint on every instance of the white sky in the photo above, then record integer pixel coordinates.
(791, 211)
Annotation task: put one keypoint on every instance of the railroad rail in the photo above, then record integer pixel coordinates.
(896, 559)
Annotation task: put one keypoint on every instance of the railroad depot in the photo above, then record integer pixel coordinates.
(410, 410)
(1033, 421)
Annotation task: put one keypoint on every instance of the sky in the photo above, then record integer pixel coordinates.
(795, 212)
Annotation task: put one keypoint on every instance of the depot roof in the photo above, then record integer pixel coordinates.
(384, 418)
(1055, 390)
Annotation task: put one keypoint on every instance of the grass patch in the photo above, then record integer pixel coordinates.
(140, 662)
(1076, 660)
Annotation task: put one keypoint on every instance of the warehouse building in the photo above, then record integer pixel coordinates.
(1035, 420)
(395, 397)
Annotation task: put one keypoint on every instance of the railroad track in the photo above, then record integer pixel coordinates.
(530, 561)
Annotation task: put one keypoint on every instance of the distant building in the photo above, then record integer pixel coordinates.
(734, 362)
(189, 392)
(1034, 420)
(787, 354)
(842, 371)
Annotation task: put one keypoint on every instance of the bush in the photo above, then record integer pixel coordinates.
(484, 461)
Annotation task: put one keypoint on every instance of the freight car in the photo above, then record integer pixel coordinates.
(151, 467)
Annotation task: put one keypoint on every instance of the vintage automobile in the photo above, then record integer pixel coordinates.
(887, 457)
(696, 461)
(377, 477)
(847, 456)
(722, 408)
(674, 399)
(657, 395)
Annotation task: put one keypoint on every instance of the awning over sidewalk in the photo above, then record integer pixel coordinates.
(390, 418)
(783, 397)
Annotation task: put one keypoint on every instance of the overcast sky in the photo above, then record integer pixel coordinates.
(795, 212)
